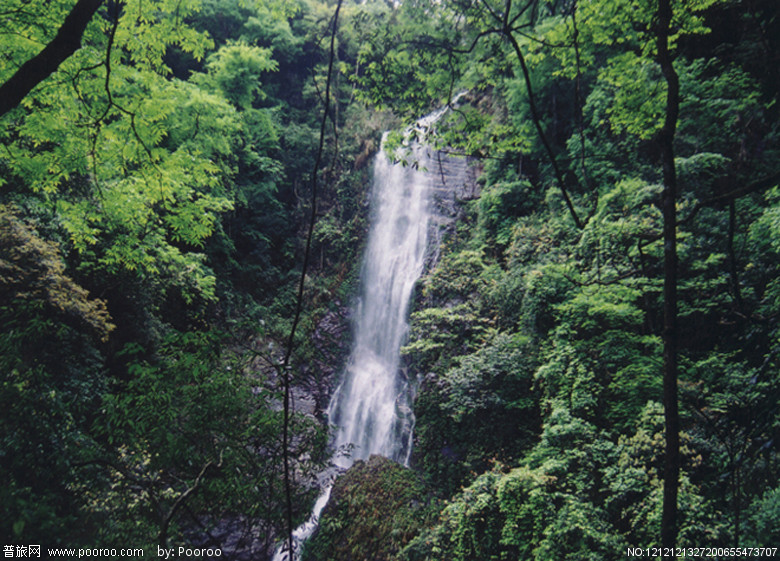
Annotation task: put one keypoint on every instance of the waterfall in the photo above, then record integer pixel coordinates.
(371, 408)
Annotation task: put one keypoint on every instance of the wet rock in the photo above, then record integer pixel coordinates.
(332, 339)
(238, 538)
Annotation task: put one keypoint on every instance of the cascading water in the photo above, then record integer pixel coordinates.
(371, 408)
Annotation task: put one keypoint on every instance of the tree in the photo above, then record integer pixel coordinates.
(128, 171)
(51, 376)
(39, 67)
(195, 443)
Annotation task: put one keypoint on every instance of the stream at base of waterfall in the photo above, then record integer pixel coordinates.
(371, 408)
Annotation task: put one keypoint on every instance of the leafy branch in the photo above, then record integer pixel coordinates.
(65, 43)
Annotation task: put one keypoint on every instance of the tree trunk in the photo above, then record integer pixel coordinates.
(38, 68)
(669, 522)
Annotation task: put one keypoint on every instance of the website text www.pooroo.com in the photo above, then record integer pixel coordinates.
(36, 551)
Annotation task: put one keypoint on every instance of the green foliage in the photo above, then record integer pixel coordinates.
(631, 110)
(457, 277)
(590, 300)
(236, 69)
(471, 526)
(501, 205)
(190, 425)
(764, 518)
(578, 495)
(636, 482)
(134, 187)
(440, 334)
(32, 269)
(545, 287)
(517, 515)
(718, 105)
(455, 326)
(480, 409)
(163, 168)
(52, 377)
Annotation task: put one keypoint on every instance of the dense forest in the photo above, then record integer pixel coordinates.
(595, 350)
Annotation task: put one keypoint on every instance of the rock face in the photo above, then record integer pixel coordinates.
(238, 538)
(375, 508)
(332, 339)
(454, 181)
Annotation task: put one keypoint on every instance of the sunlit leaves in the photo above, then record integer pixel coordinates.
(25, 28)
(237, 68)
(135, 161)
(147, 28)
(638, 95)
(613, 240)
(629, 22)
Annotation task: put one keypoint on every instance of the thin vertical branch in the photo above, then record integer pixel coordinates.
(285, 367)
(506, 30)
(537, 120)
(736, 292)
(578, 104)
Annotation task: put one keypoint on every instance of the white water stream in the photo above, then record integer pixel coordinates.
(371, 407)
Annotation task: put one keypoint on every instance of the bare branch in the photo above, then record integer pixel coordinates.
(163, 536)
(756, 186)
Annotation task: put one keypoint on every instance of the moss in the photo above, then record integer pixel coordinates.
(375, 509)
